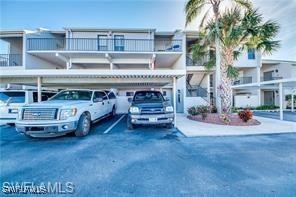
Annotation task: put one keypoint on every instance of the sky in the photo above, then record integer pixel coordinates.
(164, 15)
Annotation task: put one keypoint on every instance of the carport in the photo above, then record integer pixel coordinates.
(279, 85)
(95, 79)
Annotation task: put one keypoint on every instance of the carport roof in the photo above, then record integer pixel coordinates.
(92, 77)
(289, 82)
(93, 73)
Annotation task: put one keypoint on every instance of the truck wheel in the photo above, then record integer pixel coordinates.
(83, 127)
(113, 113)
(130, 125)
(169, 125)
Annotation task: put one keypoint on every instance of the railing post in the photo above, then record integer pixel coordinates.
(39, 86)
(281, 100)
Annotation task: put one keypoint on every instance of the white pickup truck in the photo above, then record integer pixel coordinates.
(68, 111)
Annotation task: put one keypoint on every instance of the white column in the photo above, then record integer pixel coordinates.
(258, 76)
(175, 100)
(208, 89)
(111, 66)
(24, 50)
(39, 87)
(281, 100)
(259, 96)
(292, 104)
(69, 64)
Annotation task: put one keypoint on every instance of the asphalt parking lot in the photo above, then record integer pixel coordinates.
(288, 116)
(153, 161)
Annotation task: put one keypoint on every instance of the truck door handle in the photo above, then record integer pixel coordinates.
(103, 103)
(108, 102)
(90, 104)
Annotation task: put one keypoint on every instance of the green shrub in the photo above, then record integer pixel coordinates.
(266, 107)
(213, 109)
(192, 111)
(234, 109)
(203, 110)
(289, 97)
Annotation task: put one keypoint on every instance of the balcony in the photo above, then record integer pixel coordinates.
(243, 80)
(104, 45)
(270, 78)
(10, 60)
(191, 62)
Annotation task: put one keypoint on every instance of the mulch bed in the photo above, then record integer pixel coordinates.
(215, 119)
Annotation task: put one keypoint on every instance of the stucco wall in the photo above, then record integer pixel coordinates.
(243, 60)
(246, 101)
(285, 70)
(193, 101)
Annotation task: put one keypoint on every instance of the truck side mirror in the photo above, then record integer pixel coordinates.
(166, 99)
(130, 100)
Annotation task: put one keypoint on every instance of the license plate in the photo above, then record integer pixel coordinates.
(152, 119)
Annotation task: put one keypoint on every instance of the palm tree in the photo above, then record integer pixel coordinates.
(194, 8)
(239, 32)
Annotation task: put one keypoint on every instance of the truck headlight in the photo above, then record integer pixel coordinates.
(66, 113)
(134, 110)
(13, 111)
(20, 114)
(169, 109)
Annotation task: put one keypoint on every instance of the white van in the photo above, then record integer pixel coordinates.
(11, 100)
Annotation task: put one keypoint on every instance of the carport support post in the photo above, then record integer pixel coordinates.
(39, 88)
(175, 100)
(281, 100)
(292, 104)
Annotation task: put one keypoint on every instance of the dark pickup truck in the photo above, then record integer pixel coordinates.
(150, 108)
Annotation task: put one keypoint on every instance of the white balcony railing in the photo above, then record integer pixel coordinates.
(93, 44)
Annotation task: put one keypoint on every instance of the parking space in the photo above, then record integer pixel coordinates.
(288, 116)
(152, 161)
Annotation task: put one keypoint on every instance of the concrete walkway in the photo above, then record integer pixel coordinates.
(192, 128)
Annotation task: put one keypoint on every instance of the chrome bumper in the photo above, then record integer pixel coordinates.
(46, 130)
(152, 119)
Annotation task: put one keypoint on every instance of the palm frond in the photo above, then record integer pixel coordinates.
(244, 4)
(209, 65)
(232, 72)
(193, 8)
(204, 18)
(236, 54)
(270, 29)
(267, 46)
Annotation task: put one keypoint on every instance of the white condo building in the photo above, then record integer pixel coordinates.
(128, 60)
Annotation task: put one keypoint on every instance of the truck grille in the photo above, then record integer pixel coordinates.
(40, 114)
(152, 110)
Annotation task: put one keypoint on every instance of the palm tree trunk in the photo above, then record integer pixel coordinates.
(226, 82)
(218, 60)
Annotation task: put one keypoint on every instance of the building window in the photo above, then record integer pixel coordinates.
(102, 42)
(118, 43)
(251, 54)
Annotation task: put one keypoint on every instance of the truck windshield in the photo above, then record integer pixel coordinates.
(12, 97)
(73, 95)
(148, 97)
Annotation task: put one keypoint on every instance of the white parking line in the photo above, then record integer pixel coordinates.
(114, 124)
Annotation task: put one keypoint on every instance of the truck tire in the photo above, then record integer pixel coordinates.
(130, 125)
(169, 125)
(113, 112)
(83, 126)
